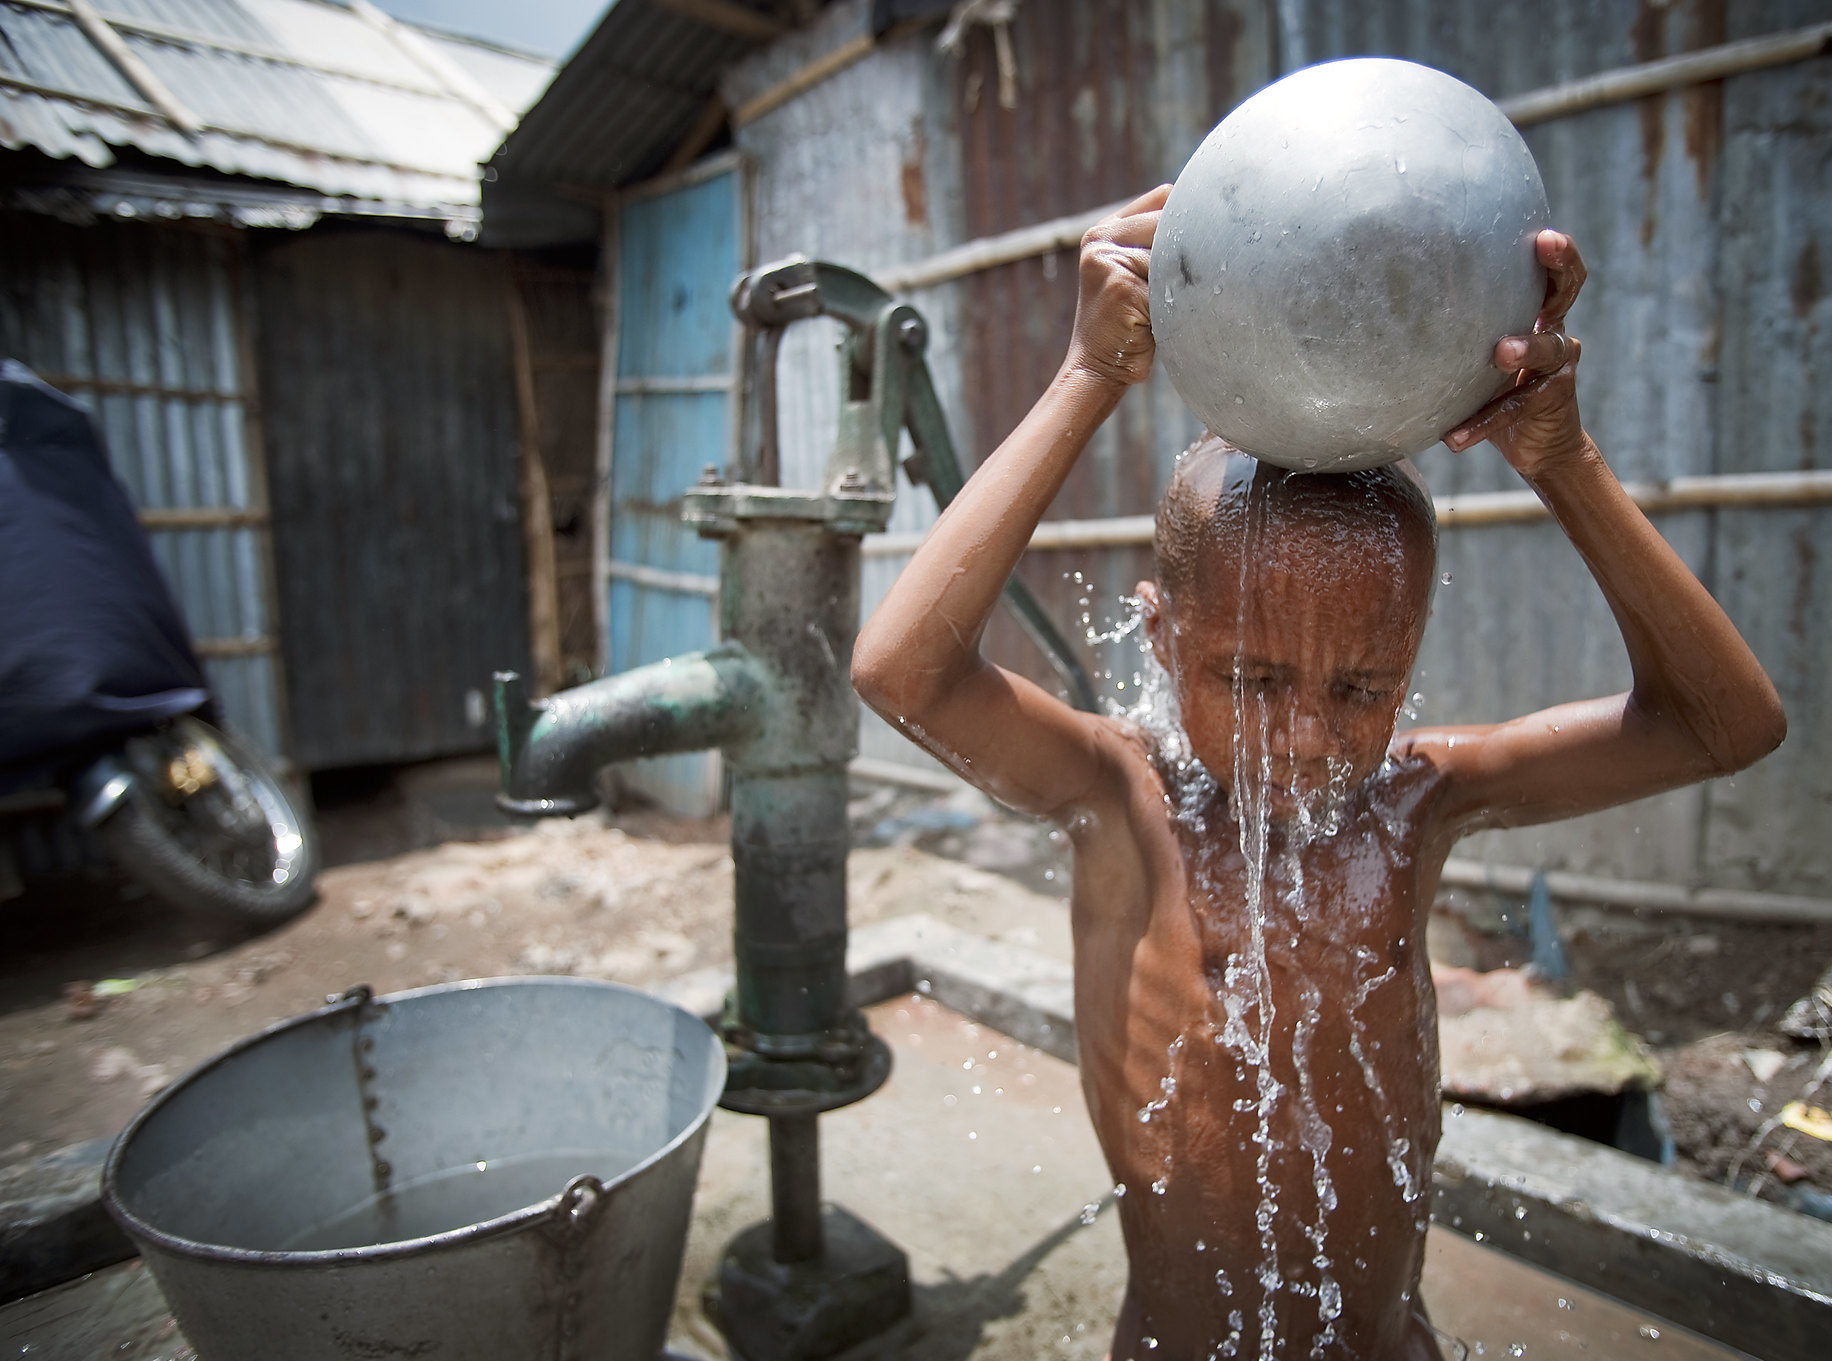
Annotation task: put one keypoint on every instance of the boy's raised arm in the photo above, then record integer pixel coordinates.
(917, 660)
(1700, 704)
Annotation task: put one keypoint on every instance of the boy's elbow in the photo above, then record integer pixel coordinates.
(1770, 730)
(1760, 729)
(870, 676)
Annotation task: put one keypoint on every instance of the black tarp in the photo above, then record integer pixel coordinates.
(92, 645)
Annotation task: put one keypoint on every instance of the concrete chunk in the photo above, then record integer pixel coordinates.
(52, 1224)
(1723, 1264)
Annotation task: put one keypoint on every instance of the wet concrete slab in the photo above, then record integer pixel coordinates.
(977, 1159)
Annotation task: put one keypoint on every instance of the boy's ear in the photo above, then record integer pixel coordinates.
(1157, 627)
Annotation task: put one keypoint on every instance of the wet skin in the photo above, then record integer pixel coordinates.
(1285, 677)
(1300, 668)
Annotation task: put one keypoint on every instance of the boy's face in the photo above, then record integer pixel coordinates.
(1310, 671)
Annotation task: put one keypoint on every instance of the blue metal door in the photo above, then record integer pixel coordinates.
(674, 414)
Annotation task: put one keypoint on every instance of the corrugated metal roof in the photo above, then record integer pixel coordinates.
(613, 114)
(626, 96)
(330, 97)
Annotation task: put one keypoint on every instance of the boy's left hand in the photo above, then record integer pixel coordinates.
(1535, 423)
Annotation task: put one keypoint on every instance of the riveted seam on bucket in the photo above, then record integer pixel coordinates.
(513, 1222)
(570, 1221)
(362, 1055)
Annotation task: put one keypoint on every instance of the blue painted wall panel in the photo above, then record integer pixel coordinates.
(679, 254)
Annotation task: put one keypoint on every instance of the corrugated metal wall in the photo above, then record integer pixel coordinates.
(146, 324)
(392, 437)
(863, 169)
(1703, 213)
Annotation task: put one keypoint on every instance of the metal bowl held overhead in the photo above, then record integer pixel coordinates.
(1338, 259)
(475, 1172)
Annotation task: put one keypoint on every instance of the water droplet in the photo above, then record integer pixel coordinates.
(973, 1134)
(1650, 1333)
(1444, 580)
(1564, 1303)
(1090, 1211)
(1151, 1344)
(1160, 1186)
(1119, 1188)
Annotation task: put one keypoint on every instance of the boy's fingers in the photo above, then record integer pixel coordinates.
(1541, 352)
(1502, 411)
(1150, 199)
(1565, 275)
(1135, 229)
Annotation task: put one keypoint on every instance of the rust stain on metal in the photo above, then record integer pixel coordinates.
(1801, 612)
(1807, 283)
(1647, 35)
(1703, 104)
(1224, 30)
(914, 180)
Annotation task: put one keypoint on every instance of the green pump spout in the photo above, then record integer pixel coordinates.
(551, 749)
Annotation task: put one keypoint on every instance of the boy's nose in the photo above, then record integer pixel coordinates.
(1299, 729)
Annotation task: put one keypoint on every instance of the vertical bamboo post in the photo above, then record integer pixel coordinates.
(537, 505)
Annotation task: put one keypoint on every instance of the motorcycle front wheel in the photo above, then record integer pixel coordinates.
(208, 828)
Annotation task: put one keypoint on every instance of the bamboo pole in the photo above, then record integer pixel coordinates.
(138, 73)
(1515, 880)
(1640, 895)
(1534, 106)
(537, 505)
(1666, 73)
(829, 64)
(1715, 492)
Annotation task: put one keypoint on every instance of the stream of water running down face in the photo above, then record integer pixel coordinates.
(1249, 1030)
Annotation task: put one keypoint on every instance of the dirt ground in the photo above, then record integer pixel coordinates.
(105, 997)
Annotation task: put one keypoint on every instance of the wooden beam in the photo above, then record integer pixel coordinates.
(727, 17)
(610, 258)
(1656, 77)
(128, 387)
(452, 78)
(711, 121)
(1715, 491)
(159, 518)
(1533, 106)
(234, 647)
(537, 508)
(805, 79)
(138, 73)
(217, 42)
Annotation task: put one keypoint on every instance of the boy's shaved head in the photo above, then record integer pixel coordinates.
(1217, 492)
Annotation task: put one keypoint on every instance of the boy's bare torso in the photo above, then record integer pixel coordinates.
(1292, 1139)
(1294, 1136)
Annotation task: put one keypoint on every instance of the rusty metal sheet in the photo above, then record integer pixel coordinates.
(392, 438)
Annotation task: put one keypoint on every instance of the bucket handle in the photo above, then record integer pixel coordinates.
(579, 1203)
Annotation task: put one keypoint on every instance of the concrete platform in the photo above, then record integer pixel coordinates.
(978, 1160)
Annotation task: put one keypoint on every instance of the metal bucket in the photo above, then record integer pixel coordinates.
(473, 1172)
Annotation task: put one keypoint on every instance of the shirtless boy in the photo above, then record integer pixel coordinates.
(1252, 993)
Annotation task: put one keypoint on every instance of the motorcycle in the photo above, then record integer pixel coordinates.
(109, 734)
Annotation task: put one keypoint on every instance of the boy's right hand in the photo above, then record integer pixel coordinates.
(1112, 336)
